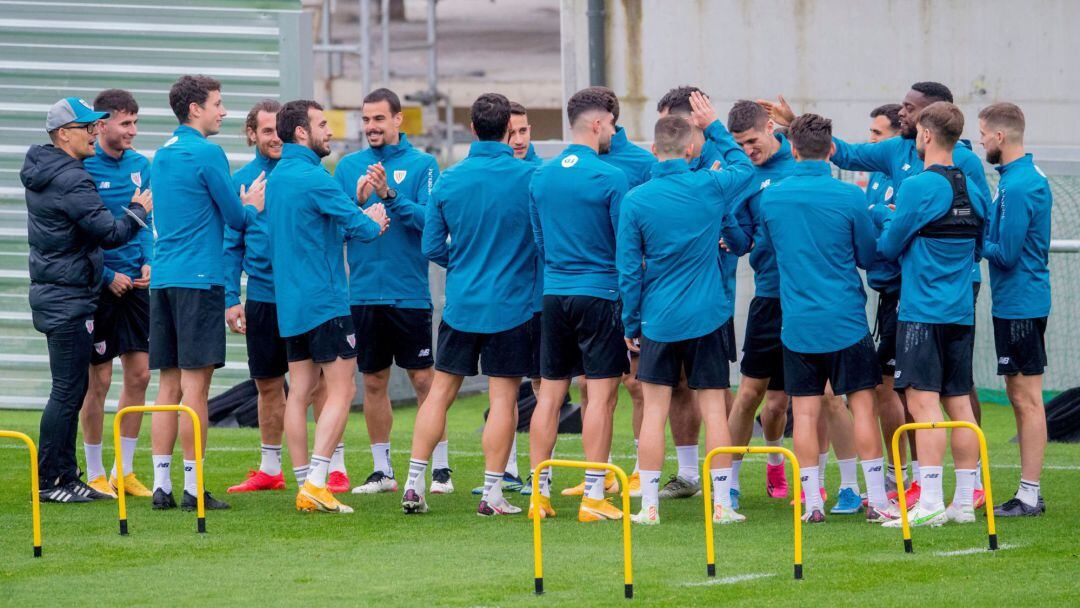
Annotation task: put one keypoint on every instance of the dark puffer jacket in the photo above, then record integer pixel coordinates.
(67, 225)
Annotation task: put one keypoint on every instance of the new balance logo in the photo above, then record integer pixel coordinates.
(1003, 360)
(104, 186)
(720, 478)
(875, 469)
(164, 465)
(932, 475)
(896, 374)
(424, 352)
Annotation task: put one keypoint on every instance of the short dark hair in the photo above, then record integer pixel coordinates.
(1004, 114)
(934, 91)
(891, 111)
(188, 90)
(671, 135)
(272, 106)
(517, 109)
(294, 114)
(812, 136)
(613, 99)
(386, 95)
(490, 116)
(746, 115)
(585, 100)
(677, 100)
(115, 101)
(944, 120)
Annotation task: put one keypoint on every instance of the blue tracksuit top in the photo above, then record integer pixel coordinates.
(249, 250)
(634, 160)
(762, 258)
(672, 223)
(1017, 243)
(482, 205)
(882, 275)
(392, 269)
(729, 262)
(194, 198)
(538, 286)
(116, 180)
(574, 203)
(898, 159)
(309, 214)
(937, 272)
(821, 232)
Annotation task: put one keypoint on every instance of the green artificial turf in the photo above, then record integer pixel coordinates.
(262, 552)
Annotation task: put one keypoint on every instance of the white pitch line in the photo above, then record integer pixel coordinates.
(730, 580)
(971, 551)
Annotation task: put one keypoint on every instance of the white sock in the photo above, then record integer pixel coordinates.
(337, 460)
(320, 468)
(736, 465)
(162, 468)
(191, 481)
(440, 458)
(416, 475)
(849, 473)
(876, 494)
(380, 454)
(127, 454)
(978, 475)
(94, 468)
(931, 497)
(1028, 493)
(811, 487)
(963, 496)
(688, 462)
(721, 479)
(823, 465)
(650, 489)
(637, 468)
(775, 458)
(511, 462)
(301, 474)
(271, 459)
(594, 483)
(492, 486)
(916, 473)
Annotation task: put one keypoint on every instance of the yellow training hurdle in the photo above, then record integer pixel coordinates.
(197, 429)
(706, 490)
(954, 424)
(35, 496)
(538, 551)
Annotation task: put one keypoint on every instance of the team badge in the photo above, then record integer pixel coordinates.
(90, 326)
(351, 339)
(399, 176)
(765, 184)
(569, 161)
(99, 347)
(888, 194)
(136, 178)
(906, 167)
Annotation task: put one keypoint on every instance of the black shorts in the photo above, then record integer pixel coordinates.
(849, 370)
(1021, 346)
(763, 352)
(121, 325)
(267, 355)
(934, 357)
(506, 354)
(705, 360)
(535, 324)
(582, 335)
(332, 340)
(187, 327)
(885, 328)
(732, 349)
(392, 335)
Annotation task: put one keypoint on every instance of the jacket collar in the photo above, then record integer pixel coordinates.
(1026, 160)
(300, 152)
(813, 167)
(393, 151)
(490, 149)
(669, 167)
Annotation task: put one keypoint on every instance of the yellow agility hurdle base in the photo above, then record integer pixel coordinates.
(954, 424)
(538, 550)
(35, 495)
(706, 490)
(197, 430)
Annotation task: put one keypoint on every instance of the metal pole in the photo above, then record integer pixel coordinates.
(597, 43)
(324, 34)
(433, 83)
(385, 9)
(365, 46)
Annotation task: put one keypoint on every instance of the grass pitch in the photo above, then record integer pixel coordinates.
(262, 552)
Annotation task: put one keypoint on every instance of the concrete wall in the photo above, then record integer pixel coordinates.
(840, 58)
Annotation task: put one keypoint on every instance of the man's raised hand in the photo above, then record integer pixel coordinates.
(364, 188)
(779, 111)
(254, 194)
(377, 174)
(144, 198)
(377, 213)
(702, 113)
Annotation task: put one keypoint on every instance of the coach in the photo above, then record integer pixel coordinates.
(67, 226)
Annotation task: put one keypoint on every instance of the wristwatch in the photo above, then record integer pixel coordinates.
(391, 194)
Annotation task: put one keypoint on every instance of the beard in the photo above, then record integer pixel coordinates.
(993, 156)
(603, 147)
(907, 132)
(320, 148)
